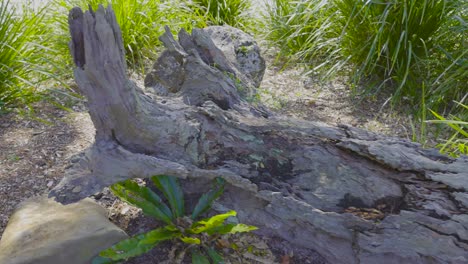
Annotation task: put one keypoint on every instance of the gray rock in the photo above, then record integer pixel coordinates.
(462, 198)
(421, 239)
(228, 52)
(240, 49)
(167, 74)
(42, 231)
(458, 181)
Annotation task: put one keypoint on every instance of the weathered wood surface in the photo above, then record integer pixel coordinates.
(292, 178)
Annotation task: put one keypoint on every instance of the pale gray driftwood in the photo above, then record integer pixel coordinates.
(292, 178)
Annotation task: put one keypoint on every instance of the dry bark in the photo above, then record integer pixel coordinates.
(294, 179)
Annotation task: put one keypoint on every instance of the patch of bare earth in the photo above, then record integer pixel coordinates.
(34, 155)
(289, 92)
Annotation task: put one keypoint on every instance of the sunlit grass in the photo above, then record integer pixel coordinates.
(457, 143)
(393, 46)
(304, 32)
(400, 43)
(21, 39)
(413, 50)
(223, 12)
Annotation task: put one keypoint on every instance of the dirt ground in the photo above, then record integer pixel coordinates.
(34, 152)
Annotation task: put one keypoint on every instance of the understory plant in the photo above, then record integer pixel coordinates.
(403, 43)
(199, 236)
(223, 12)
(304, 32)
(21, 51)
(395, 46)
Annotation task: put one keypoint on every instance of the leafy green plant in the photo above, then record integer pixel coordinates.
(199, 235)
(223, 12)
(20, 54)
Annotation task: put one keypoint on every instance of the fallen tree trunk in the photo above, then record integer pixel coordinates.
(351, 195)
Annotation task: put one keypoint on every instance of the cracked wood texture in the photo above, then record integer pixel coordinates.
(314, 185)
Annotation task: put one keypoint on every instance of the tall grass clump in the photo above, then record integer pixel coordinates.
(396, 46)
(21, 33)
(416, 51)
(304, 31)
(401, 43)
(223, 12)
(448, 64)
(141, 23)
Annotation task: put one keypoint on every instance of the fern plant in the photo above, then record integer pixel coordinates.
(199, 235)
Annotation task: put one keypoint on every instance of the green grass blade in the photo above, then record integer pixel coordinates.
(21, 33)
(452, 124)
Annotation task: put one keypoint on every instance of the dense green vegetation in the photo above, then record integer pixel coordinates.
(413, 50)
(21, 42)
(224, 12)
(304, 32)
(198, 236)
(398, 45)
(34, 54)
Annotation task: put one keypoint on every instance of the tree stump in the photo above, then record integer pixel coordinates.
(351, 195)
